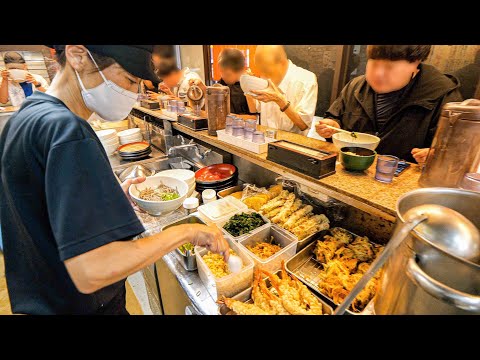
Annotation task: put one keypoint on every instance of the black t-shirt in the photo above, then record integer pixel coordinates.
(59, 199)
(238, 101)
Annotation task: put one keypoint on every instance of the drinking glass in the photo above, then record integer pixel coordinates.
(386, 167)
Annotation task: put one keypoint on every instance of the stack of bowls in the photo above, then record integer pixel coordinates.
(181, 174)
(130, 136)
(109, 140)
(135, 151)
(216, 177)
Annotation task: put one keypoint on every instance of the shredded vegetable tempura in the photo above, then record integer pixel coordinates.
(217, 264)
(264, 249)
(345, 259)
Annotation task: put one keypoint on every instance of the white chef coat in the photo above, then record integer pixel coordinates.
(16, 96)
(300, 88)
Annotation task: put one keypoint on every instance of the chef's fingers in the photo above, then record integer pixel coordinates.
(415, 150)
(136, 180)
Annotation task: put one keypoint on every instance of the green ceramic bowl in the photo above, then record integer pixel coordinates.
(361, 161)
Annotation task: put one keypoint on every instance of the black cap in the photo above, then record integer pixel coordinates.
(136, 59)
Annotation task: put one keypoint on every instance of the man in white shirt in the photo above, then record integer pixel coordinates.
(13, 91)
(289, 101)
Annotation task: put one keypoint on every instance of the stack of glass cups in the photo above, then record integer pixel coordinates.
(229, 124)
(180, 107)
(172, 106)
(250, 128)
(238, 129)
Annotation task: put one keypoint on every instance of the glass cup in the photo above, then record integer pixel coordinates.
(250, 124)
(229, 129)
(238, 131)
(258, 137)
(229, 120)
(248, 135)
(386, 167)
(238, 122)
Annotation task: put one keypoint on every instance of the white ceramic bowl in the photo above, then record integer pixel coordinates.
(249, 83)
(106, 134)
(110, 141)
(129, 132)
(159, 207)
(367, 141)
(18, 75)
(125, 140)
(186, 175)
(110, 149)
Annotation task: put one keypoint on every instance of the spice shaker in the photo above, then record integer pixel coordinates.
(190, 205)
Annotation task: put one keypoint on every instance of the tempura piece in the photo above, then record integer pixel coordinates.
(296, 216)
(275, 190)
(288, 209)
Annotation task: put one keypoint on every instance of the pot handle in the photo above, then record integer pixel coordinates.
(440, 291)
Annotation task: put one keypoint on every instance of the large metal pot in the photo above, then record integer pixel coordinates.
(421, 277)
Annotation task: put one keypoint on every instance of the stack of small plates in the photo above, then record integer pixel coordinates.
(109, 140)
(181, 174)
(134, 151)
(130, 136)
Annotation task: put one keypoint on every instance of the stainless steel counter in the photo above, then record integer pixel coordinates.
(189, 280)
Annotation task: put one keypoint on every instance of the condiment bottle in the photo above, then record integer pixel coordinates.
(209, 195)
(190, 205)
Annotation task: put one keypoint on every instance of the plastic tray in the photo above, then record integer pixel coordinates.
(246, 297)
(229, 285)
(244, 144)
(267, 225)
(211, 213)
(274, 262)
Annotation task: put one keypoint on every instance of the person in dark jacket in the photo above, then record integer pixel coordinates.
(399, 99)
(469, 77)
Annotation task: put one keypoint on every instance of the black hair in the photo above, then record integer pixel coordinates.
(164, 51)
(13, 57)
(409, 53)
(102, 61)
(166, 69)
(232, 58)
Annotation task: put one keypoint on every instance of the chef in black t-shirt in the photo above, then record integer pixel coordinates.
(231, 63)
(66, 222)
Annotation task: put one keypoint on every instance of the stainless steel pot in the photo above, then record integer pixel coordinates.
(420, 277)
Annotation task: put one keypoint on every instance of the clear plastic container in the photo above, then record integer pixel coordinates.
(219, 211)
(229, 285)
(274, 262)
(267, 224)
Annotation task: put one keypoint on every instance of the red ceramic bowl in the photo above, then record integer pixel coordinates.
(217, 173)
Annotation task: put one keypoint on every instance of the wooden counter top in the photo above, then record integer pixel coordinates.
(357, 189)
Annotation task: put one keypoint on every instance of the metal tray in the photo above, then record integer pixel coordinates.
(230, 190)
(188, 262)
(246, 297)
(306, 268)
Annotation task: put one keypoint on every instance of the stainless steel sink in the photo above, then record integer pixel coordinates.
(161, 164)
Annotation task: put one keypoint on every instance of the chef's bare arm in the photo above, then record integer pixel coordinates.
(115, 261)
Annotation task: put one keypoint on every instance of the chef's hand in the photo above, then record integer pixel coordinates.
(248, 71)
(165, 89)
(126, 184)
(211, 238)
(5, 74)
(420, 155)
(199, 83)
(271, 93)
(323, 131)
(30, 79)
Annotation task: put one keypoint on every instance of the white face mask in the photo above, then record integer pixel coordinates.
(110, 101)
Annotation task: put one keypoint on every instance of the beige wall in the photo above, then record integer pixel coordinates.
(192, 56)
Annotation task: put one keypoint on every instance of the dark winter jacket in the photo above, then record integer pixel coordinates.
(411, 125)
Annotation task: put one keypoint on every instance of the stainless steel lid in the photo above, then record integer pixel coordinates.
(466, 110)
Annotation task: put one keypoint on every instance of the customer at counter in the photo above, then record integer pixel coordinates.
(290, 100)
(231, 63)
(399, 99)
(175, 81)
(16, 92)
(66, 222)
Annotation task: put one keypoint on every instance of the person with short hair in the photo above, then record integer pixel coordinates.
(175, 81)
(399, 99)
(17, 92)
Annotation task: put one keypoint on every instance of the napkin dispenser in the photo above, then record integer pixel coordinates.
(309, 161)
